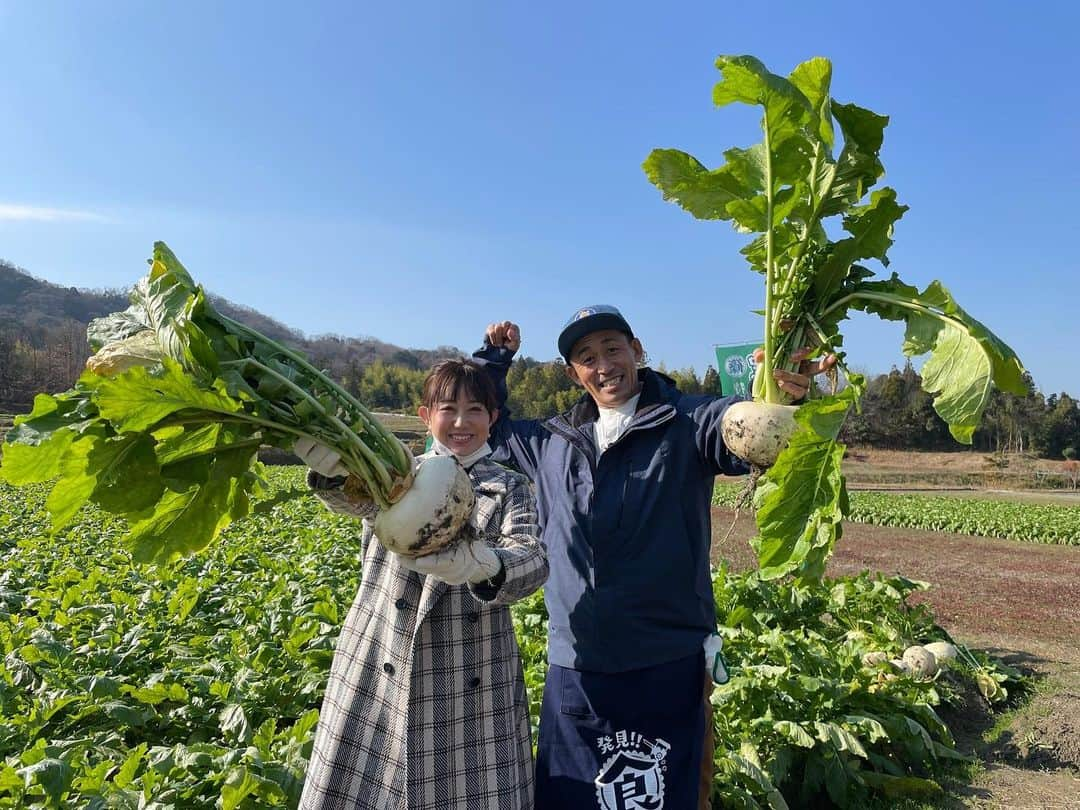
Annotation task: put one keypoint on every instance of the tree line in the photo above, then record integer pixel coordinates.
(896, 413)
(43, 338)
(43, 348)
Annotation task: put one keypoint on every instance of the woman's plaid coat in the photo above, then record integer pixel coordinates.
(426, 703)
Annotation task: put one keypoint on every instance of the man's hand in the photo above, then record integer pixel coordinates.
(319, 457)
(714, 659)
(797, 384)
(468, 561)
(504, 335)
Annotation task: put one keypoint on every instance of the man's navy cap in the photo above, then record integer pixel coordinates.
(591, 319)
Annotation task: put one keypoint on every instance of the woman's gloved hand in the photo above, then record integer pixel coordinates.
(319, 457)
(468, 561)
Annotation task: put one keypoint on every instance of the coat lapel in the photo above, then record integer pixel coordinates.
(431, 592)
(489, 503)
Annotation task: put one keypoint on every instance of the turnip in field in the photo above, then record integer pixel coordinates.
(942, 651)
(920, 661)
(786, 190)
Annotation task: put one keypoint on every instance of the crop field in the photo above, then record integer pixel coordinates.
(1021, 601)
(1034, 523)
(187, 684)
(198, 684)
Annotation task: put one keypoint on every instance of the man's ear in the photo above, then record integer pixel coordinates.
(572, 374)
(639, 350)
(424, 414)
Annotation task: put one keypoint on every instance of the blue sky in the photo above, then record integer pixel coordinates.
(412, 171)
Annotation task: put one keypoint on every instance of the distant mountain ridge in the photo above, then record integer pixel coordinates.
(43, 336)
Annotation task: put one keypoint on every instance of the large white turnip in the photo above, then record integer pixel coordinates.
(757, 431)
(432, 512)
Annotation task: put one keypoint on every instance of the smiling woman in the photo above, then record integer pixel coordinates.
(427, 677)
(459, 406)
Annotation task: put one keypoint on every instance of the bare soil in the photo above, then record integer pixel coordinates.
(1019, 601)
(868, 467)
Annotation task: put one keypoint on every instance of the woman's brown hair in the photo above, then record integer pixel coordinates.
(449, 377)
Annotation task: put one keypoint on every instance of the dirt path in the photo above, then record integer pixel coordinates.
(1018, 600)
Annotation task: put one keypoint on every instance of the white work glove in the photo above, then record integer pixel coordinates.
(714, 659)
(468, 561)
(319, 457)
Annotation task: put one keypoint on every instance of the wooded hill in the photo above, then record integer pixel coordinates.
(43, 338)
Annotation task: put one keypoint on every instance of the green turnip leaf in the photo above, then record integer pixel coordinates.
(187, 521)
(966, 358)
(118, 471)
(140, 398)
(705, 194)
(116, 327)
(801, 500)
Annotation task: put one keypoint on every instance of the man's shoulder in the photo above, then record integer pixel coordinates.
(694, 402)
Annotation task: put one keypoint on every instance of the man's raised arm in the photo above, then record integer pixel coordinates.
(516, 442)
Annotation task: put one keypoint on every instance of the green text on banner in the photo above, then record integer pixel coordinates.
(735, 364)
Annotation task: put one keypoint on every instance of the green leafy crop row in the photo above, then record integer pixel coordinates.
(1033, 523)
(187, 685)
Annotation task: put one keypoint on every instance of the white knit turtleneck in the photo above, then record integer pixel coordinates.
(613, 421)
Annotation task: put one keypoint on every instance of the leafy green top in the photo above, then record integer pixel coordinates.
(786, 189)
(164, 426)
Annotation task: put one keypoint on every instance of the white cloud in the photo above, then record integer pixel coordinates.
(30, 213)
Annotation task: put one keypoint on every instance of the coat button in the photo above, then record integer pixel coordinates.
(388, 668)
(474, 617)
(475, 682)
(400, 603)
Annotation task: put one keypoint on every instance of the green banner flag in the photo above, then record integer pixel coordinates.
(735, 365)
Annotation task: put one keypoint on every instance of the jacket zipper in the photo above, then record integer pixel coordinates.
(558, 425)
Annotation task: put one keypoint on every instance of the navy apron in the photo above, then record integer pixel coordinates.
(622, 741)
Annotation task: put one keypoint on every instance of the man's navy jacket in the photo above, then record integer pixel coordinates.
(628, 531)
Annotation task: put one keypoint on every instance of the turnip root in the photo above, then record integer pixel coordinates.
(901, 665)
(873, 659)
(942, 651)
(920, 661)
(758, 431)
(431, 513)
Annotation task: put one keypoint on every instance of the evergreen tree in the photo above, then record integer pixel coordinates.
(710, 383)
(1061, 427)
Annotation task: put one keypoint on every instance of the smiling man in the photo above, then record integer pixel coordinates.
(602, 355)
(624, 483)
